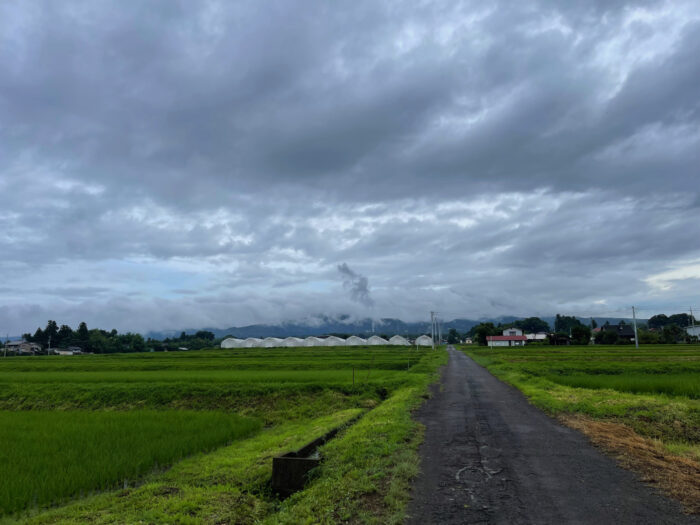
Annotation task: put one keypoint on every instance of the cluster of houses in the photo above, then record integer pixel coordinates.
(275, 342)
(25, 348)
(516, 337)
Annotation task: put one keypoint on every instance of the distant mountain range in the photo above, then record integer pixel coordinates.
(325, 325)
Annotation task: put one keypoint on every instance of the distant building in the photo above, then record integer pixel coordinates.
(23, 347)
(67, 351)
(539, 336)
(693, 330)
(512, 331)
(624, 331)
(510, 337)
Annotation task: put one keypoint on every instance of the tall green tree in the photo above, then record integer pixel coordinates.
(204, 334)
(672, 333)
(580, 335)
(532, 325)
(482, 331)
(564, 323)
(607, 337)
(39, 337)
(64, 336)
(452, 336)
(51, 333)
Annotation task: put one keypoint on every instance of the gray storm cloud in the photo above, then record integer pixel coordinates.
(191, 164)
(357, 285)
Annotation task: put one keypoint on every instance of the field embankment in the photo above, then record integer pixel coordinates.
(651, 395)
(208, 405)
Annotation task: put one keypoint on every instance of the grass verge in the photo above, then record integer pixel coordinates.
(639, 404)
(677, 476)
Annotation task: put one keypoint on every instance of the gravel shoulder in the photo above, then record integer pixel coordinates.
(491, 457)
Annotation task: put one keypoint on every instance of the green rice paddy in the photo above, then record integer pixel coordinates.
(73, 430)
(47, 456)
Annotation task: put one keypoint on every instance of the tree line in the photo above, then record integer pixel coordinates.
(100, 341)
(659, 329)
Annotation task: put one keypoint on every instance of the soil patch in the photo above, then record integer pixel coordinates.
(677, 476)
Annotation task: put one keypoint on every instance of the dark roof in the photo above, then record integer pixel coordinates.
(625, 330)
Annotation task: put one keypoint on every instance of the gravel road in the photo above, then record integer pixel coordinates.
(491, 457)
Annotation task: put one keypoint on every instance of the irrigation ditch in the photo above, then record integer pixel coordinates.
(291, 471)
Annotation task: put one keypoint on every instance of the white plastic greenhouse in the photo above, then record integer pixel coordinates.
(289, 342)
(232, 342)
(399, 341)
(424, 340)
(333, 341)
(292, 342)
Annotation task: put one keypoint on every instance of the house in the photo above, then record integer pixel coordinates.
(693, 331)
(23, 348)
(512, 331)
(624, 331)
(510, 337)
(468, 341)
(539, 336)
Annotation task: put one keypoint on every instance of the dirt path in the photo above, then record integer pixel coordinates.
(491, 457)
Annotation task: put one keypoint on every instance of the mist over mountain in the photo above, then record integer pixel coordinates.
(325, 325)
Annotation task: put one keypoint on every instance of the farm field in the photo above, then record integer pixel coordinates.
(192, 433)
(640, 405)
(654, 389)
(83, 451)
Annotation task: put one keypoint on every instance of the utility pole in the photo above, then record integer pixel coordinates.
(634, 320)
(432, 328)
(692, 323)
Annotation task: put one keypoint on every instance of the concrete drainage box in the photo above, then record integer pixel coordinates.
(290, 472)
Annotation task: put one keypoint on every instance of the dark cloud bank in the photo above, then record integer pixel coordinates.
(177, 164)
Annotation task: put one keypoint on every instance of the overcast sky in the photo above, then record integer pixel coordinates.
(169, 165)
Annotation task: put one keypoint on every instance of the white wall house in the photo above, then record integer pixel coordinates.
(510, 337)
(512, 331)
